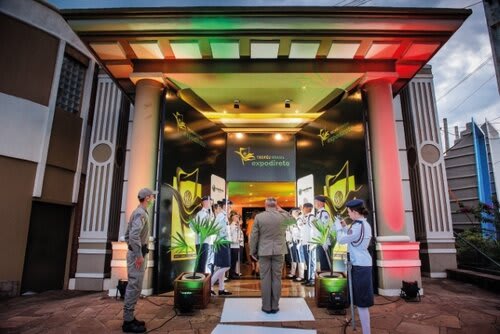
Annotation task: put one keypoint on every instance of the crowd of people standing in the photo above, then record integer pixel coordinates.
(267, 244)
(268, 249)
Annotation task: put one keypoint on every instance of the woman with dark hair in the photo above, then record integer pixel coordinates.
(357, 237)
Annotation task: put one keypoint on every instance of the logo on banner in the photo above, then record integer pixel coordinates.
(304, 190)
(330, 136)
(216, 189)
(261, 160)
(186, 131)
(245, 155)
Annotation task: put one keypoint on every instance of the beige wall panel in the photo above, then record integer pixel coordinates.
(64, 140)
(92, 263)
(27, 60)
(57, 185)
(15, 205)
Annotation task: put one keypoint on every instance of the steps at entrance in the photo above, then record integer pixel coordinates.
(231, 329)
(485, 281)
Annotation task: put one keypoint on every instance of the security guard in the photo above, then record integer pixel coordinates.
(206, 252)
(357, 237)
(323, 217)
(137, 237)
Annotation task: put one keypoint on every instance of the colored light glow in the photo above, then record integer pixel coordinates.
(250, 194)
(278, 137)
(239, 135)
(386, 169)
(334, 284)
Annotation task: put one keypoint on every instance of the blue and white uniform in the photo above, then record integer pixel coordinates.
(357, 237)
(323, 217)
(223, 254)
(206, 257)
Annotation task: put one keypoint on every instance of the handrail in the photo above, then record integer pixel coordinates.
(481, 252)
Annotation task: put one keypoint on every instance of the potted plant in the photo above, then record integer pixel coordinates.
(329, 282)
(193, 285)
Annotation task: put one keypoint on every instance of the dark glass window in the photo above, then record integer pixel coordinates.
(69, 94)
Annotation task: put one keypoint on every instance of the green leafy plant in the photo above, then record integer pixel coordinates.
(470, 242)
(204, 228)
(488, 213)
(326, 235)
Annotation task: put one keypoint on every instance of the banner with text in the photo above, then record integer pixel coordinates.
(260, 157)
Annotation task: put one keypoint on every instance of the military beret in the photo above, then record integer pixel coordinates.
(205, 198)
(355, 202)
(320, 198)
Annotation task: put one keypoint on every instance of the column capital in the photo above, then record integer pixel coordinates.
(135, 77)
(371, 77)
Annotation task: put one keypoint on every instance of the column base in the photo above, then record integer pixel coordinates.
(397, 261)
(437, 255)
(119, 268)
(92, 265)
(88, 284)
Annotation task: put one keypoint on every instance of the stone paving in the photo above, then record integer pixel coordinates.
(447, 307)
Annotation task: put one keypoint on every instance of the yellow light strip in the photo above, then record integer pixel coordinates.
(261, 130)
(262, 116)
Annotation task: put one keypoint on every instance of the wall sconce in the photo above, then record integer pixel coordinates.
(236, 104)
(287, 103)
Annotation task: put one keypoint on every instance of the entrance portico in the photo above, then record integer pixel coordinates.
(237, 67)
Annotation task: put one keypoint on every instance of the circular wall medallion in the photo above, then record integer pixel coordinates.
(430, 153)
(101, 153)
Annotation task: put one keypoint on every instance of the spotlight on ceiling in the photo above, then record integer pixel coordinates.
(236, 104)
(287, 103)
(239, 135)
(278, 136)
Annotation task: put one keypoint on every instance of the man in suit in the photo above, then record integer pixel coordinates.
(268, 245)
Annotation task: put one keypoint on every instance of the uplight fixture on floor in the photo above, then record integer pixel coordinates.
(186, 303)
(121, 288)
(337, 303)
(410, 291)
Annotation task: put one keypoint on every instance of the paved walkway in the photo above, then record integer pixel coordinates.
(447, 307)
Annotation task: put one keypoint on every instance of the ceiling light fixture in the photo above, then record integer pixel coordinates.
(236, 104)
(239, 135)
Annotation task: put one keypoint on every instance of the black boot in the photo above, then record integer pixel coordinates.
(139, 322)
(132, 327)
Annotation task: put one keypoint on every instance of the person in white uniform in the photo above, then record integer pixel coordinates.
(223, 254)
(204, 213)
(323, 217)
(357, 236)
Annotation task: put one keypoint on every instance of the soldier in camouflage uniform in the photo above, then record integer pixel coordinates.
(137, 237)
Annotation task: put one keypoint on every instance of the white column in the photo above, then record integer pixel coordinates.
(143, 141)
(397, 257)
(434, 223)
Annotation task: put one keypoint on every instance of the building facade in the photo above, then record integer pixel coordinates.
(46, 104)
(194, 85)
(473, 173)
